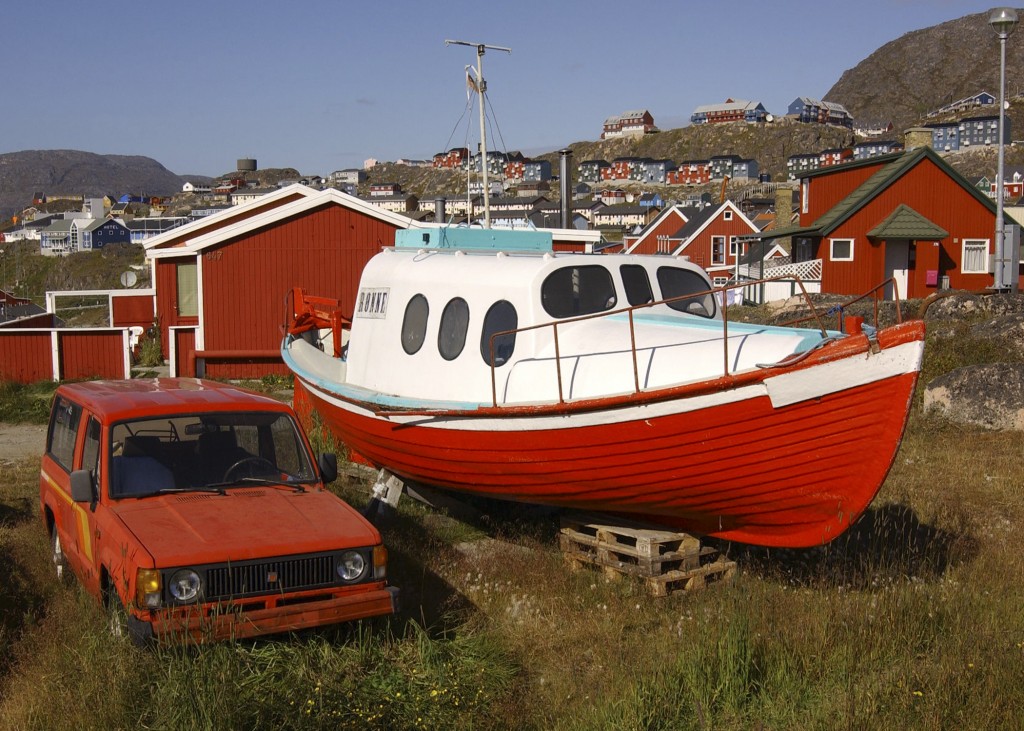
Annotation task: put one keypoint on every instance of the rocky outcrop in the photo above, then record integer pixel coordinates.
(989, 395)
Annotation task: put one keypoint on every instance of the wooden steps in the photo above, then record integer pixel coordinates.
(665, 560)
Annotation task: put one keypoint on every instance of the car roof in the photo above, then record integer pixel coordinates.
(114, 400)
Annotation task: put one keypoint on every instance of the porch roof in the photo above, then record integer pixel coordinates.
(906, 223)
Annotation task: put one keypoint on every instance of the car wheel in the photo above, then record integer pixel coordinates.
(60, 561)
(117, 616)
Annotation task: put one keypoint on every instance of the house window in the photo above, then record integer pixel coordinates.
(717, 250)
(727, 216)
(188, 290)
(975, 256)
(733, 246)
(841, 249)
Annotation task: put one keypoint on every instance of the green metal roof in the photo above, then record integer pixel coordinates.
(906, 223)
(896, 166)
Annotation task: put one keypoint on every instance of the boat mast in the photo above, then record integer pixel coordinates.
(481, 87)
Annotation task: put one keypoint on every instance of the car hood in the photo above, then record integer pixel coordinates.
(247, 523)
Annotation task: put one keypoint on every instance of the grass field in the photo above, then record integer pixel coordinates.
(914, 619)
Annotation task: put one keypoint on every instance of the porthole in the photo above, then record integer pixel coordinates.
(451, 336)
(414, 324)
(500, 317)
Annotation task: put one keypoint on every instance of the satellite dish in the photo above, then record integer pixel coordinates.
(769, 118)
(128, 279)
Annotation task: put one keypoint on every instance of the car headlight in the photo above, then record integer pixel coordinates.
(184, 585)
(351, 566)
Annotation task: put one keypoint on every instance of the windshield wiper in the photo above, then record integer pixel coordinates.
(262, 481)
(199, 488)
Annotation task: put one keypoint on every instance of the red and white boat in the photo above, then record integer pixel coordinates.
(479, 361)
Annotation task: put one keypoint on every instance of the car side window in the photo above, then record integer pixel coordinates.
(91, 449)
(63, 432)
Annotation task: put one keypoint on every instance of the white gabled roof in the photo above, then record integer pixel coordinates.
(201, 223)
(311, 199)
(676, 210)
(727, 205)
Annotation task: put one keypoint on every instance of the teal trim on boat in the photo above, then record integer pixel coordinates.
(365, 396)
(473, 239)
(809, 338)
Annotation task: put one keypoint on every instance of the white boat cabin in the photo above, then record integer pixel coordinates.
(434, 312)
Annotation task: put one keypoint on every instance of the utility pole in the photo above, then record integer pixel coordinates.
(481, 88)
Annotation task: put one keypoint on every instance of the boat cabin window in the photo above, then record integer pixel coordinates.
(637, 284)
(451, 337)
(675, 282)
(500, 317)
(414, 325)
(578, 290)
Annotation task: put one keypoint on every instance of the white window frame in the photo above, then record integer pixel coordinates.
(832, 250)
(721, 259)
(984, 259)
(726, 215)
(734, 246)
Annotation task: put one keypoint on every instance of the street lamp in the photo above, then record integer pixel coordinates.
(1003, 22)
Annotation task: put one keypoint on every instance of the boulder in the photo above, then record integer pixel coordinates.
(989, 395)
(1006, 329)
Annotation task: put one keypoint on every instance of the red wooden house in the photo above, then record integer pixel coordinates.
(221, 282)
(908, 217)
(658, 236)
(712, 239)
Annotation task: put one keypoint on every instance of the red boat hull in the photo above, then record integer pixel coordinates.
(743, 469)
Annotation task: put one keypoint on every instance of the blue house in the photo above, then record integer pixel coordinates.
(104, 232)
(535, 171)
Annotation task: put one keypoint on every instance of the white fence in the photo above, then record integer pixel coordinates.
(808, 272)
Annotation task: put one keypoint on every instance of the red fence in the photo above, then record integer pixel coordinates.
(53, 354)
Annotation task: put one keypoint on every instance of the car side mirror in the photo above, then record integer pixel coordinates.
(328, 467)
(82, 490)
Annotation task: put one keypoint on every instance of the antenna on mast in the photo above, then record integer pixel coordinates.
(481, 88)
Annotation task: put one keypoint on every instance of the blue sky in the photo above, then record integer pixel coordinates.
(320, 85)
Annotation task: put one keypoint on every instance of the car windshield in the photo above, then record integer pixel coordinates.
(206, 452)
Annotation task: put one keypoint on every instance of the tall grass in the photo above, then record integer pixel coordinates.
(913, 619)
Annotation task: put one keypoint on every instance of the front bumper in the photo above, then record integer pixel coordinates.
(265, 615)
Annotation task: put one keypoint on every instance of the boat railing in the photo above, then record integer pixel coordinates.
(721, 296)
(876, 293)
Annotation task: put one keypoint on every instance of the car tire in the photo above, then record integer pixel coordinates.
(60, 560)
(122, 625)
(117, 616)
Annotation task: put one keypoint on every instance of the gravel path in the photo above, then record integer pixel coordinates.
(21, 441)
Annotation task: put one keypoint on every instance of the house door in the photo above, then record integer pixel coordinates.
(897, 266)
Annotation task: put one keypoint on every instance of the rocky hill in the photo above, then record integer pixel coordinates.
(79, 173)
(925, 69)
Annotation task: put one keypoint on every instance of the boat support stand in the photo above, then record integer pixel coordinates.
(384, 497)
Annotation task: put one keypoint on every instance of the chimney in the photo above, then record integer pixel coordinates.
(783, 211)
(439, 210)
(565, 184)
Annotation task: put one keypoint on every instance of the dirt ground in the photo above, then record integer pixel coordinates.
(21, 441)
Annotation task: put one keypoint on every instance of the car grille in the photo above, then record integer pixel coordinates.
(275, 576)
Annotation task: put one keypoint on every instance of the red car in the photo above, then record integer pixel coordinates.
(192, 508)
